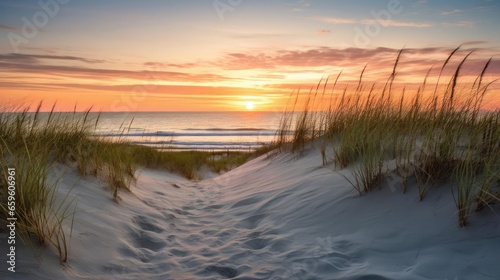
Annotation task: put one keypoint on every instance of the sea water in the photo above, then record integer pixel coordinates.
(210, 131)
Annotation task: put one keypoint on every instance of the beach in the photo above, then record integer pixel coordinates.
(272, 218)
(249, 140)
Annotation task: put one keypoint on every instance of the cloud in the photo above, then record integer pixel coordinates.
(393, 23)
(29, 65)
(34, 58)
(414, 64)
(268, 76)
(474, 43)
(17, 58)
(286, 65)
(450, 12)
(399, 23)
(317, 57)
(177, 92)
(170, 65)
(300, 5)
(7, 27)
(396, 23)
(463, 23)
(323, 31)
(340, 20)
(51, 50)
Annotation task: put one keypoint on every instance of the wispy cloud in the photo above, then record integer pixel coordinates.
(316, 57)
(393, 23)
(34, 58)
(268, 76)
(170, 65)
(30, 64)
(463, 23)
(7, 27)
(281, 60)
(399, 23)
(340, 20)
(300, 5)
(323, 31)
(450, 12)
(416, 61)
(468, 43)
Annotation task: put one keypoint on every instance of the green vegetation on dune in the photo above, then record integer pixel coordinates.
(30, 145)
(186, 163)
(435, 135)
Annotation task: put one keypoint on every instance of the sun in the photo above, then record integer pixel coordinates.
(250, 105)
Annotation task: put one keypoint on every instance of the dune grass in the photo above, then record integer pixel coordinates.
(437, 134)
(189, 163)
(31, 142)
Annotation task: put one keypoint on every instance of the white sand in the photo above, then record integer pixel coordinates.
(279, 218)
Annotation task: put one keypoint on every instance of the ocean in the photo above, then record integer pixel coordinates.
(206, 131)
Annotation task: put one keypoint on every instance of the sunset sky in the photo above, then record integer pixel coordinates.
(209, 55)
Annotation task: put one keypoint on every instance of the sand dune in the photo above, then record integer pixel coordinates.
(278, 218)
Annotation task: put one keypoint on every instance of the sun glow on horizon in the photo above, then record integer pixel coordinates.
(243, 66)
(250, 105)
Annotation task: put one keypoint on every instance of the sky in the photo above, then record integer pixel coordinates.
(229, 55)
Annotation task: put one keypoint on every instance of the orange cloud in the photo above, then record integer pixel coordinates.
(323, 31)
(271, 75)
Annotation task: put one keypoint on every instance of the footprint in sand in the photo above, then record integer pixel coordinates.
(224, 271)
(147, 224)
